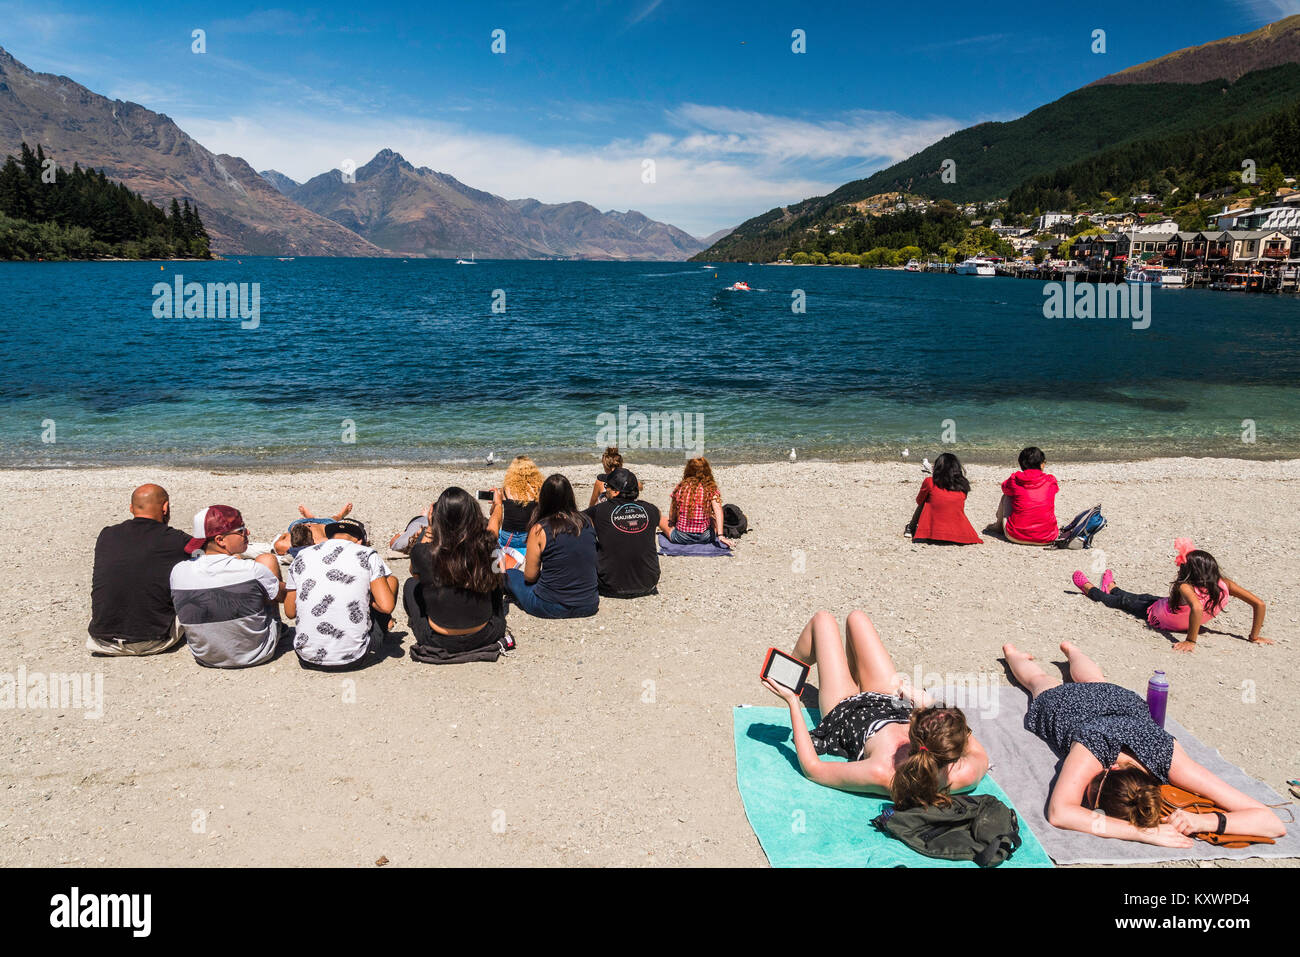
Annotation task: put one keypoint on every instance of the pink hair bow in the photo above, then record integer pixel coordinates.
(1182, 546)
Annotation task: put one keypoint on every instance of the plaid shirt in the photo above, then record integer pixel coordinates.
(694, 512)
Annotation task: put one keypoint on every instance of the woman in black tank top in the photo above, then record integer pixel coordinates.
(559, 577)
(454, 597)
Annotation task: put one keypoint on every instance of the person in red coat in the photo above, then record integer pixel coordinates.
(941, 511)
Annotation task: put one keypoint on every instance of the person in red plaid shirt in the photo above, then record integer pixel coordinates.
(695, 510)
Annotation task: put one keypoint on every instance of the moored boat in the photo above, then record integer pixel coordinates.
(976, 266)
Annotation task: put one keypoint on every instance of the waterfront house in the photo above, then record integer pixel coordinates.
(1100, 251)
(1259, 248)
(1151, 247)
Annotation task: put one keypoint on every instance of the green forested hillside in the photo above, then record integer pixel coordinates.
(1173, 168)
(992, 159)
(51, 213)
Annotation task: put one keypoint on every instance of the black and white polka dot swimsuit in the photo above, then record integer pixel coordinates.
(848, 725)
(1105, 719)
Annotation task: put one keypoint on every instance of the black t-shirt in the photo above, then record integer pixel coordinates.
(517, 515)
(448, 606)
(130, 591)
(627, 555)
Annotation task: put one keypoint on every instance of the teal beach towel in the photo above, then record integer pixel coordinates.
(802, 824)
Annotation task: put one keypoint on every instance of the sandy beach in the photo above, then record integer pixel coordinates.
(604, 741)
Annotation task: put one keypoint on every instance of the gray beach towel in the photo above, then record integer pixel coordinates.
(1026, 768)
(710, 550)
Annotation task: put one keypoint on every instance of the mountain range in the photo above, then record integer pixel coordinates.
(1209, 88)
(154, 157)
(420, 212)
(393, 208)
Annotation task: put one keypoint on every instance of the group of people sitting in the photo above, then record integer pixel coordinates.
(1026, 513)
(154, 586)
(902, 744)
(1027, 516)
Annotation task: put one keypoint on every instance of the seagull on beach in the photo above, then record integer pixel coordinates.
(792, 455)
(925, 465)
(906, 453)
(491, 458)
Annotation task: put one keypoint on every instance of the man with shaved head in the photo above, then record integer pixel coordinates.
(131, 609)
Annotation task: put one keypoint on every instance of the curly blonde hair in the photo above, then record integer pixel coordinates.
(523, 481)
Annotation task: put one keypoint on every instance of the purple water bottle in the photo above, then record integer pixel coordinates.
(1158, 697)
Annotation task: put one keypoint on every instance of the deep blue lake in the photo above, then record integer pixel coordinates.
(408, 360)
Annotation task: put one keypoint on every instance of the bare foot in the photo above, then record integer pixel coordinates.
(1009, 649)
(1067, 647)
(1261, 640)
(305, 512)
(343, 512)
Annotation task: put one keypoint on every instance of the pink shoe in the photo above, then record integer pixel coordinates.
(1107, 581)
(1081, 582)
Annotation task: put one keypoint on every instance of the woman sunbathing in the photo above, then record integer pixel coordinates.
(898, 742)
(305, 532)
(1116, 758)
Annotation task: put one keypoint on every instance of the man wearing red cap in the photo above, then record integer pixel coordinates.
(227, 605)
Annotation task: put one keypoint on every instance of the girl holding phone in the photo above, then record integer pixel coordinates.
(898, 742)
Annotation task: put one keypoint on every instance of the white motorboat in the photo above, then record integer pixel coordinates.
(1157, 276)
(976, 266)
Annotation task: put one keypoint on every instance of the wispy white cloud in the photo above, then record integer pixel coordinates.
(714, 166)
(987, 39)
(274, 20)
(1266, 11)
(644, 12)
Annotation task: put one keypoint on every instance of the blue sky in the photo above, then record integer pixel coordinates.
(735, 122)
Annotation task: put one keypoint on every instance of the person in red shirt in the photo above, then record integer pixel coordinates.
(1027, 512)
(941, 506)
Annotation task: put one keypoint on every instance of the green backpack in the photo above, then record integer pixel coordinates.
(976, 827)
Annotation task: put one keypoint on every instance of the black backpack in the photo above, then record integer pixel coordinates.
(734, 523)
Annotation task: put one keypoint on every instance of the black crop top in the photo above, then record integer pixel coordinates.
(517, 516)
(448, 606)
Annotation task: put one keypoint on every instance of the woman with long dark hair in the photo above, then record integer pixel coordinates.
(559, 578)
(1116, 758)
(454, 597)
(941, 506)
(1198, 594)
(898, 742)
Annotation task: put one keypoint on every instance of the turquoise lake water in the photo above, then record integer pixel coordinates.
(390, 361)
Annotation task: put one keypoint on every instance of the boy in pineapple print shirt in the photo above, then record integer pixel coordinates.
(343, 594)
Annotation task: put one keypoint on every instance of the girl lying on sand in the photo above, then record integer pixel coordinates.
(1197, 595)
(897, 741)
(1116, 758)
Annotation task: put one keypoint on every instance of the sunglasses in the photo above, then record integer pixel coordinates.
(242, 530)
